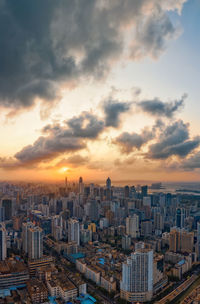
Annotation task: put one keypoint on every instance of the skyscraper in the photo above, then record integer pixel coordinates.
(74, 231)
(3, 247)
(35, 243)
(108, 183)
(81, 186)
(137, 276)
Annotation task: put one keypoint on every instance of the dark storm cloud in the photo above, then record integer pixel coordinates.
(157, 107)
(113, 110)
(86, 125)
(173, 140)
(130, 141)
(62, 138)
(45, 44)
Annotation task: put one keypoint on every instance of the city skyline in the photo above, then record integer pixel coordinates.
(97, 89)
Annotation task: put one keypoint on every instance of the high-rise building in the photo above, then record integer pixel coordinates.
(146, 228)
(132, 191)
(174, 241)
(92, 190)
(181, 240)
(198, 240)
(158, 221)
(59, 206)
(144, 191)
(146, 201)
(35, 243)
(126, 191)
(3, 246)
(70, 207)
(137, 277)
(180, 217)
(168, 199)
(2, 214)
(74, 231)
(25, 227)
(7, 204)
(132, 226)
(57, 227)
(92, 209)
(81, 186)
(126, 242)
(86, 236)
(108, 183)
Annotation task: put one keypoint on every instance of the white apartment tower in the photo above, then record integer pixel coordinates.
(35, 243)
(74, 231)
(137, 277)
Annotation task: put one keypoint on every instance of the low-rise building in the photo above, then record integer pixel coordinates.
(109, 283)
(13, 272)
(37, 291)
(61, 287)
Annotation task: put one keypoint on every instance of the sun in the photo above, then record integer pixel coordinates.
(63, 169)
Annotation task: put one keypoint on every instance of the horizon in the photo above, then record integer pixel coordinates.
(102, 182)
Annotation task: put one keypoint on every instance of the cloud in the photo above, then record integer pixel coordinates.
(59, 138)
(49, 147)
(74, 161)
(173, 5)
(173, 140)
(46, 44)
(86, 125)
(189, 164)
(113, 110)
(130, 141)
(156, 107)
(151, 35)
(9, 163)
(125, 162)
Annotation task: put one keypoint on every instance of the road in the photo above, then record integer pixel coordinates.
(176, 292)
(192, 296)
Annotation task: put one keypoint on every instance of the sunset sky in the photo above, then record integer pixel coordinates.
(99, 88)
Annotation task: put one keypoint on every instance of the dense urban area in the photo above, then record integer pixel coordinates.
(86, 243)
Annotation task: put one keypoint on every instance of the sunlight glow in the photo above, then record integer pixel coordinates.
(63, 169)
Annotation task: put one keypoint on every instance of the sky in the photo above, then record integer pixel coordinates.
(99, 88)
